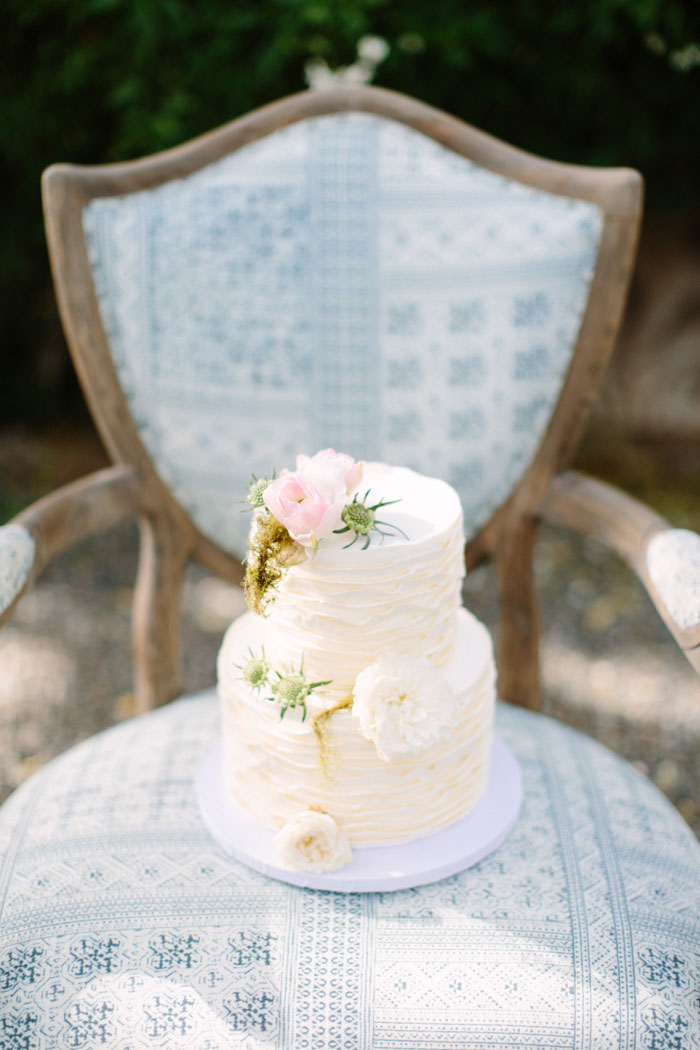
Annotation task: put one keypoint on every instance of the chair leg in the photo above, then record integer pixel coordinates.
(518, 664)
(156, 615)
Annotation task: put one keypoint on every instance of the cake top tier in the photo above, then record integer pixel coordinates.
(351, 594)
(333, 515)
(416, 512)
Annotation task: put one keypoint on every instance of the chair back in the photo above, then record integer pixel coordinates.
(347, 268)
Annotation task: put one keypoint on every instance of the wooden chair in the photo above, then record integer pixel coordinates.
(347, 268)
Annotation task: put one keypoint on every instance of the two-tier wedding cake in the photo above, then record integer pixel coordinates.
(358, 696)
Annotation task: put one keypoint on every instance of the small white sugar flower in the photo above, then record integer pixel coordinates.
(313, 842)
(403, 705)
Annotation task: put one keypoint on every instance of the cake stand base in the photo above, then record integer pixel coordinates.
(395, 867)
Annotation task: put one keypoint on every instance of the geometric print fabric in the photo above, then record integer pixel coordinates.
(17, 552)
(347, 282)
(124, 925)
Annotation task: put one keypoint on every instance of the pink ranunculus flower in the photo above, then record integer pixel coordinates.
(352, 469)
(309, 502)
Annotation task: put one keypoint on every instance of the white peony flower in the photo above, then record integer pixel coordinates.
(403, 704)
(312, 841)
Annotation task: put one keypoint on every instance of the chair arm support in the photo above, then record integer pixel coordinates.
(666, 560)
(597, 509)
(55, 522)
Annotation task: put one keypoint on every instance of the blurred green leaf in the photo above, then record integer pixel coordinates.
(93, 81)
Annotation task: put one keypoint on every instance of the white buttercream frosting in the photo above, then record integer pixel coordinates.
(343, 610)
(344, 607)
(273, 766)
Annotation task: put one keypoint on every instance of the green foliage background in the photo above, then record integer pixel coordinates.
(590, 81)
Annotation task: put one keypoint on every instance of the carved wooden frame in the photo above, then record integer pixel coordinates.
(168, 537)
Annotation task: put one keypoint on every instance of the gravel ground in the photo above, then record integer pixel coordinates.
(609, 666)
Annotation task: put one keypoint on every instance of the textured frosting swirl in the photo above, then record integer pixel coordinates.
(273, 766)
(342, 608)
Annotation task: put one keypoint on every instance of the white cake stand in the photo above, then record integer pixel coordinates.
(374, 867)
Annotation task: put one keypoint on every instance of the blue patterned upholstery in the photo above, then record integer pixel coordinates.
(123, 925)
(17, 549)
(673, 560)
(343, 282)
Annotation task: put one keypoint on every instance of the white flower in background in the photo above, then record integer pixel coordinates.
(318, 75)
(685, 58)
(312, 841)
(403, 704)
(371, 51)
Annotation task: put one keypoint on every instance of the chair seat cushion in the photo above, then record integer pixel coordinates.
(124, 925)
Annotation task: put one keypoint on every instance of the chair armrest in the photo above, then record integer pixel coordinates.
(52, 524)
(666, 560)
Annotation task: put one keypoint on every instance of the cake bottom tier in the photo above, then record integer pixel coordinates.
(276, 768)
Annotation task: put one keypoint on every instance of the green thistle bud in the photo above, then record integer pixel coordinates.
(362, 520)
(255, 671)
(256, 490)
(359, 518)
(291, 690)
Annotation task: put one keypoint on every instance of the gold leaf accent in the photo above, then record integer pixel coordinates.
(319, 724)
(272, 550)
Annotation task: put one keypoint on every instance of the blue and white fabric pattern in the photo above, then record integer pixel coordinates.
(123, 925)
(343, 282)
(673, 561)
(17, 548)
